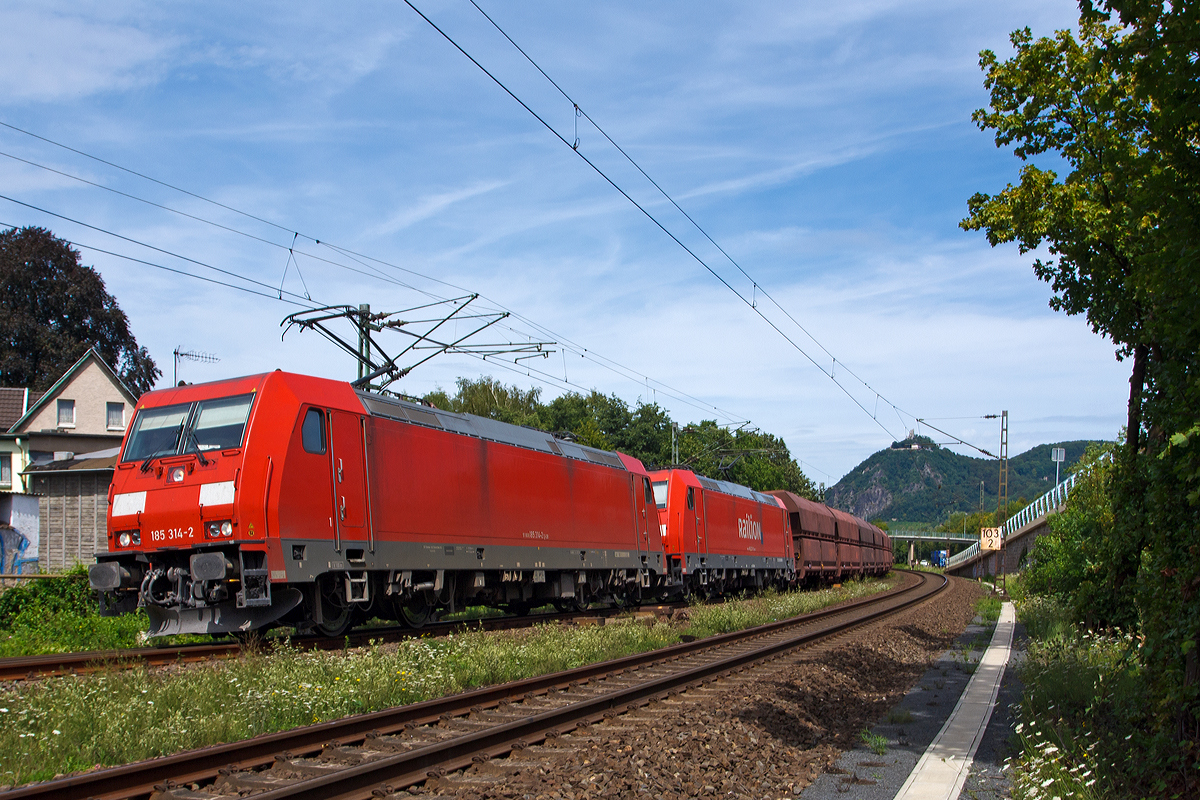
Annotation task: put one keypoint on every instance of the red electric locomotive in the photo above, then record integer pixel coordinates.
(281, 498)
(720, 537)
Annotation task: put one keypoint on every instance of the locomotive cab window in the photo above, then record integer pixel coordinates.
(156, 431)
(216, 424)
(220, 423)
(691, 501)
(313, 431)
(660, 494)
(649, 491)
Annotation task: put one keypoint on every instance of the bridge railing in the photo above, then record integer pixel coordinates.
(959, 558)
(1052, 500)
(933, 536)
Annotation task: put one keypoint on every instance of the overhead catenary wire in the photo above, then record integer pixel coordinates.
(142, 244)
(757, 287)
(361, 259)
(646, 213)
(248, 290)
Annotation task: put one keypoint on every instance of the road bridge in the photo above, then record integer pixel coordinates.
(1018, 536)
(939, 537)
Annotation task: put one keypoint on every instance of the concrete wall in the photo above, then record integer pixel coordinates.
(21, 512)
(1016, 553)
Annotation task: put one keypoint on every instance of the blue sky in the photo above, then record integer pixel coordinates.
(828, 149)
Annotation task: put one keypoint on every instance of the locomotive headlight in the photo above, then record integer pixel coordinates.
(137, 537)
(177, 475)
(124, 539)
(217, 529)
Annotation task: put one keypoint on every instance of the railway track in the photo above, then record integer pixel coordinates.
(376, 754)
(55, 664)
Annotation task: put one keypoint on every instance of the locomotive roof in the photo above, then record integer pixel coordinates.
(727, 487)
(484, 428)
(735, 489)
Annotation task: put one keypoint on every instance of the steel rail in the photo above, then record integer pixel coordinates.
(139, 780)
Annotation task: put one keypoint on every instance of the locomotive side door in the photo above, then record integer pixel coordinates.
(346, 459)
(696, 506)
(646, 513)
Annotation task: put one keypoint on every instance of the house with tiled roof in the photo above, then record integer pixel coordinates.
(57, 450)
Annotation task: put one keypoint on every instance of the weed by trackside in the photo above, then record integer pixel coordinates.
(73, 723)
(875, 743)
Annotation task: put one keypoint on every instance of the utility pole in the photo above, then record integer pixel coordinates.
(1002, 498)
(674, 444)
(364, 338)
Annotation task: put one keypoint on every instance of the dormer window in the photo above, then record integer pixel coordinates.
(66, 413)
(115, 415)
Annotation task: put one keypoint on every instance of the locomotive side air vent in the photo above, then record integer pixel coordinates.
(607, 459)
(423, 417)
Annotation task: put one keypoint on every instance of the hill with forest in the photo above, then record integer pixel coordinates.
(917, 481)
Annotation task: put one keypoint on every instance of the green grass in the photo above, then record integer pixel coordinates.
(35, 632)
(875, 743)
(771, 606)
(114, 717)
(988, 609)
(899, 716)
(1084, 717)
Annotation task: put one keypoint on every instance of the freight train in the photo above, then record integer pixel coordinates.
(284, 499)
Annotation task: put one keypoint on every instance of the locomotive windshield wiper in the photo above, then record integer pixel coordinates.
(191, 439)
(163, 452)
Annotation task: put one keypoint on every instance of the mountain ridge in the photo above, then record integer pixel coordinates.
(916, 480)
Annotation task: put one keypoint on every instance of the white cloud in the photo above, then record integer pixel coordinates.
(48, 56)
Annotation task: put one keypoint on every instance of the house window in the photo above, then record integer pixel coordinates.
(5, 469)
(66, 413)
(116, 416)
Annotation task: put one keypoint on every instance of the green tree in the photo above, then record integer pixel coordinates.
(1119, 107)
(52, 309)
(488, 397)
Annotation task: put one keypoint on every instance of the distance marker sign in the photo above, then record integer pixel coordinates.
(989, 538)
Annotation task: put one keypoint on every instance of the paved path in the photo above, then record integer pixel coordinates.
(942, 770)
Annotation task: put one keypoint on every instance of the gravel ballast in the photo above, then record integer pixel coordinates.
(770, 732)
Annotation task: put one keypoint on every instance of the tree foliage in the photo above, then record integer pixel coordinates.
(1119, 107)
(52, 309)
(752, 458)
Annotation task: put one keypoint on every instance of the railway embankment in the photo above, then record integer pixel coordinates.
(60, 726)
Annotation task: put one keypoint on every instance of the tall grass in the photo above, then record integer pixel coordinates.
(68, 724)
(771, 606)
(1084, 720)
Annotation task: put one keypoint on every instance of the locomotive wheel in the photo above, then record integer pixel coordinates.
(336, 612)
(417, 612)
(571, 605)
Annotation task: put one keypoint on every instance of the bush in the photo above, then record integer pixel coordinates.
(47, 596)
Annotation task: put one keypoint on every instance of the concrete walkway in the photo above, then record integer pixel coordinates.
(942, 770)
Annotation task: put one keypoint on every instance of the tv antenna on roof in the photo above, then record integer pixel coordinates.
(191, 355)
